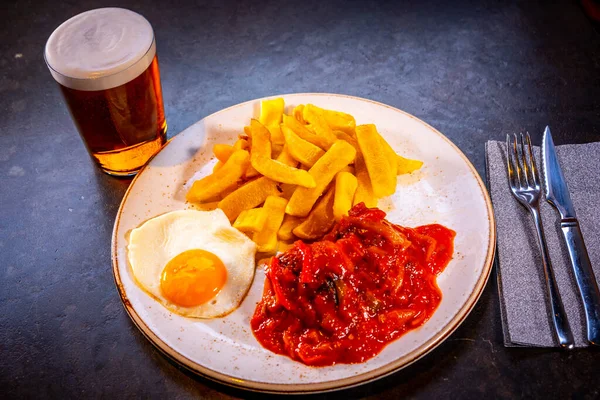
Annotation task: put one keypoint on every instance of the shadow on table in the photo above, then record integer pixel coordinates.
(110, 189)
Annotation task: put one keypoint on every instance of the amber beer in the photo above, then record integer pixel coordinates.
(105, 63)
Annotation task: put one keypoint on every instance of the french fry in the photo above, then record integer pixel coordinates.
(250, 221)
(270, 116)
(388, 152)
(381, 171)
(224, 178)
(283, 246)
(271, 111)
(248, 196)
(283, 173)
(297, 113)
(206, 206)
(287, 190)
(320, 220)
(336, 158)
(341, 135)
(345, 187)
(251, 172)
(260, 158)
(266, 238)
(301, 150)
(242, 144)
(286, 158)
(223, 151)
(336, 120)
(364, 191)
(261, 140)
(349, 168)
(276, 135)
(406, 165)
(287, 226)
(230, 190)
(276, 150)
(317, 123)
(303, 132)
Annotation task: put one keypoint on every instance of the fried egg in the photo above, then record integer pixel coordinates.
(193, 262)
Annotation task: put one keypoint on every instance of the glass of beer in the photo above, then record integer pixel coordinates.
(105, 63)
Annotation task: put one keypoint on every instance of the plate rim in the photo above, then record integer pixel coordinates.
(338, 384)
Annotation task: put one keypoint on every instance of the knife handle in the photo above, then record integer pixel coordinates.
(584, 275)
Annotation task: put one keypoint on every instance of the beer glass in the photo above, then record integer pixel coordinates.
(105, 63)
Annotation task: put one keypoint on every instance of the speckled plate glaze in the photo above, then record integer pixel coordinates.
(446, 190)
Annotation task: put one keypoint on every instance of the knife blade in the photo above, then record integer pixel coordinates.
(557, 194)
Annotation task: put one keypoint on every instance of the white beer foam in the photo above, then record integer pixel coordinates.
(100, 49)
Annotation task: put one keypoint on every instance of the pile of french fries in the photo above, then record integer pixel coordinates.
(293, 176)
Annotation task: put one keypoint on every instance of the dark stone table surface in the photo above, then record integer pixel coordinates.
(475, 70)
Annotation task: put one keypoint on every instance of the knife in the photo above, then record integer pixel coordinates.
(557, 194)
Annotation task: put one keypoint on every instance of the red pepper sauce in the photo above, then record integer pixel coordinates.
(344, 298)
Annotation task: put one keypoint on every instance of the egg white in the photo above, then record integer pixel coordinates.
(152, 245)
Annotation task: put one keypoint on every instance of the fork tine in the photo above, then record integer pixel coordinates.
(525, 163)
(534, 171)
(516, 165)
(510, 163)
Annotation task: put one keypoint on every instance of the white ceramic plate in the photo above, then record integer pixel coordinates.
(447, 190)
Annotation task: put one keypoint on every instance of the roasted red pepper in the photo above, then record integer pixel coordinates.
(344, 298)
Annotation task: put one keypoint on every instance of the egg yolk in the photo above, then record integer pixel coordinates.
(192, 278)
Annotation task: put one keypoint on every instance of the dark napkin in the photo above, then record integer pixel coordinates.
(524, 302)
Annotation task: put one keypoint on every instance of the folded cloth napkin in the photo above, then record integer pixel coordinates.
(524, 303)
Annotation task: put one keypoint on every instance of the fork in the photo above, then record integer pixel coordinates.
(525, 186)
